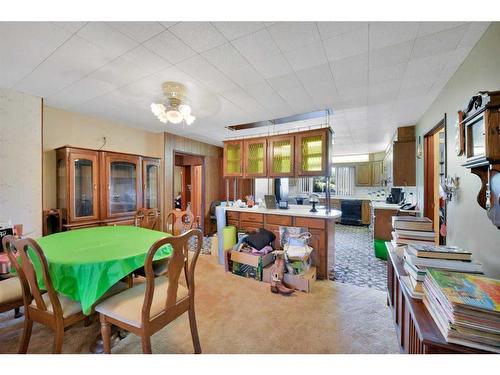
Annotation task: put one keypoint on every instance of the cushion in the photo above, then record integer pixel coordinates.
(260, 239)
(10, 290)
(68, 306)
(127, 306)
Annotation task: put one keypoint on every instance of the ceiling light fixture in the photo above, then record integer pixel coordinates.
(175, 110)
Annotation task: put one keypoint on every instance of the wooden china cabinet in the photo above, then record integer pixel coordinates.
(104, 188)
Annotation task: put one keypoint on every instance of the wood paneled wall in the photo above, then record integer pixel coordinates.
(213, 185)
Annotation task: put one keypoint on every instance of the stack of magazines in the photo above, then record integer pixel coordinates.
(419, 257)
(465, 307)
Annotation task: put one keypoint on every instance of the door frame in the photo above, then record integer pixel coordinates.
(429, 171)
(203, 169)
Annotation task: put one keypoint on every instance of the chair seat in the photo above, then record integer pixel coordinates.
(127, 306)
(70, 307)
(10, 290)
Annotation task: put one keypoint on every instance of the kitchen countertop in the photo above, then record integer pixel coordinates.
(385, 206)
(293, 210)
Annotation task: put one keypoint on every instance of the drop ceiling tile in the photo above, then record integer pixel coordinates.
(104, 36)
(387, 73)
(257, 46)
(292, 35)
(284, 82)
(272, 66)
(233, 30)
(473, 33)
(168, 46)
(168, 24)
(225, 57)
(38, 40)
(307, 56)
(330, 29)
(244, 76)
(71, 27)
(346, 45)
(390, 56)
(199, 68)
(437, 43)
(427, 28)
(119, 72)
(428, 67)
(138, 31)
(200, 36)
(79, 93)
(72, 61)
(383, 34)
(351, 72)
(315, 75)
(148, 61)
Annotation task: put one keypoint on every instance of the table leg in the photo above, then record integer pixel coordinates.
(117, 334)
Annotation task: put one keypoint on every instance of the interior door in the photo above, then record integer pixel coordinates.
(83, 193)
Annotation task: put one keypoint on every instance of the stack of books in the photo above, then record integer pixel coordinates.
(419, 257)
(411, 230)
(465, 307)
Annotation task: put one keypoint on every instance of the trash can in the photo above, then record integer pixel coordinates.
(380, 249)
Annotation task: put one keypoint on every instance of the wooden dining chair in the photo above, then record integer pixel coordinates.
(45, 307)
(179, 222)
(148, 218)
(11, 292)
(150, 306)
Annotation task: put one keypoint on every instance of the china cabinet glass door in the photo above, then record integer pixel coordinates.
(233, 159)
(83, 185)
(122, 187)
(312, 153)
(151, 181)
(281, 156)
(255, 158)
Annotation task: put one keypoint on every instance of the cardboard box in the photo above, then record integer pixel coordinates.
(249, 265)
(300, 282)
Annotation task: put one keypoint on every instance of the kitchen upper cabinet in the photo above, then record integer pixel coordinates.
(404, 164)
(364, 174)
(78, 184)
(281, 161)
(255, 157)
(312, 153)
(377, 173)
(233, 159)
(121, 189)
(151, 183)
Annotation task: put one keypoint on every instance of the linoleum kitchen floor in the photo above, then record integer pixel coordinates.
(237, 315)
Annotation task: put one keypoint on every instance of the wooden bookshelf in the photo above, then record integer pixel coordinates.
(417, 333)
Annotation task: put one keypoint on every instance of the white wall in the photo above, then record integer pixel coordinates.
(468, 225)
(21, 161)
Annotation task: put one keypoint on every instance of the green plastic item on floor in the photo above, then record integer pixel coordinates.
(380, 249)
(229, 235)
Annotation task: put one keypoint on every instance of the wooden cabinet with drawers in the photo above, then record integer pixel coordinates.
(322, 231)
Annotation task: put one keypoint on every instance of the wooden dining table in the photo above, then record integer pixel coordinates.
(84, 264)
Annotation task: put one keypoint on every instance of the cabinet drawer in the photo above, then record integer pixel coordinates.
(250, 226)
(309, 223)
(231, 215)
(279, 220)
(256, 218)
(236, 223)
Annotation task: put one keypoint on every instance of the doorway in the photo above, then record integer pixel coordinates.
(434, 178)
(188, 186)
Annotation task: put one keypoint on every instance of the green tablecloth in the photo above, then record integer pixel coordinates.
(85, 263)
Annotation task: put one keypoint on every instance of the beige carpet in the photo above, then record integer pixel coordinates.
(237, 315)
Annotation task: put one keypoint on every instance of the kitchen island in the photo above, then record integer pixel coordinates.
(320, 224)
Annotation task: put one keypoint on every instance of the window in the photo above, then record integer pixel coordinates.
(341, 183)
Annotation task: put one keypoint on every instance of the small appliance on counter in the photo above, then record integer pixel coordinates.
(397, 196)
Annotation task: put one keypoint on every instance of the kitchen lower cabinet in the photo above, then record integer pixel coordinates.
(322, 232)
